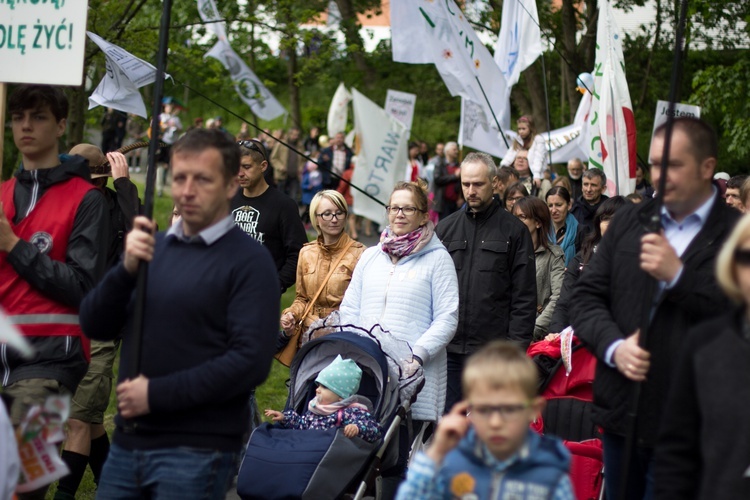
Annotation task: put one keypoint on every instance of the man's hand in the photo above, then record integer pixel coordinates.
(8, 238)
(276, 416)
(451, 429)
(132, 397)
(351, 430)
(631, 360)
(658, 258)
(119, 165)
(139, 244)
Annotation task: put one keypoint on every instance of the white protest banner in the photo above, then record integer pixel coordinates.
(400, 105)
(125, 75)
(382, 158)
(248, 86)
(662, 111)
(338, 112)
(568, 142)
(480, 132)
(210, 15)
(612, 145)
(42, 41)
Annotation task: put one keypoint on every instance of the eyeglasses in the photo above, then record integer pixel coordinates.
(407, 211)
(742, 257)
(328, 216)
(254, 146)
(507, 412)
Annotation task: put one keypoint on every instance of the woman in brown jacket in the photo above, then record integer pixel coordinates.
(328, 214)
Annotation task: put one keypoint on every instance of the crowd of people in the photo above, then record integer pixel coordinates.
(476, 262)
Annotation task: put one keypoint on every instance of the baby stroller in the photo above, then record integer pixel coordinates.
(567, 373)
(313, 464)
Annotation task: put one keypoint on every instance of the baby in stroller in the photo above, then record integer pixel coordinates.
(335, 404)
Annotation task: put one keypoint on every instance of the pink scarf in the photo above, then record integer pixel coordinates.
(406, 244)
(332, 408)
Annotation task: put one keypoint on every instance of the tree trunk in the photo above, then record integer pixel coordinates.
(76, 117)
(291, 73)
(354, 45)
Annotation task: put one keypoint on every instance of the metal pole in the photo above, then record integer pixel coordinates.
(148, 202)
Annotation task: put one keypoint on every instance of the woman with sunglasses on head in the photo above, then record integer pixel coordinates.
(320, 291)
(549, 260)
(605, 212)
(703, 448)
(408, 285)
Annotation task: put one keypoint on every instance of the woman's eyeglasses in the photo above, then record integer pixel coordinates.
(407, 211)
(254, 146)
(328, 216)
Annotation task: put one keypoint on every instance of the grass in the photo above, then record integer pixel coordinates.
(272, 394)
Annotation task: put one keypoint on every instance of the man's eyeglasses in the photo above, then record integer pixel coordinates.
(254, 146)
(507, 412)
(407, 211)
(328, 216)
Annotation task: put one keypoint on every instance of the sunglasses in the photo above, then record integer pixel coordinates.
(254, 146)
(742, 257)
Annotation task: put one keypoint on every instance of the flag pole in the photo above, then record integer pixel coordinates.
(148, 202)
(502, 132)
(653, 226)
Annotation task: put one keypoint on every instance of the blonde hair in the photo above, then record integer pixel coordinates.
(418, 189)
(725, 263)
(501, 364)
(334, 197)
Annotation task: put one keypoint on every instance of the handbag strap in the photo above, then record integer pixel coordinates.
(325, 282)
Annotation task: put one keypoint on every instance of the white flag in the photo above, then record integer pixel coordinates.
(612, 144)
(249, 87)
(441, 30)
(569, 142)
(408, 32)
(125, 75)
(479, 131)
(382, 158)
(210, 15)
(520, 40)
(338, 112)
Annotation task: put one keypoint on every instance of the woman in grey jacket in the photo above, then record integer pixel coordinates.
(549, 259)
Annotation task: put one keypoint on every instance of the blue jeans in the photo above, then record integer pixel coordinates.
(640, 472)
(166, 474)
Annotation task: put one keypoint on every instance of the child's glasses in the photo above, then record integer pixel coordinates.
(507, 412)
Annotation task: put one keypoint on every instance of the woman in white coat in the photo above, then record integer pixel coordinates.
(408, 285)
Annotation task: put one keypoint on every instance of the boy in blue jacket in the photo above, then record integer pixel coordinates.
(483, 448)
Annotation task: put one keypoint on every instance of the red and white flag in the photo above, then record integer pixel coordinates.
(612, 145)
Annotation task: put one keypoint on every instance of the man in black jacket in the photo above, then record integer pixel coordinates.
(584, 208)
(494, 259)
(667, 277)
(52, 251)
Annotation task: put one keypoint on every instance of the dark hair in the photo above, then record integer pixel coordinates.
(646, 176)
(254, 149)
(736, 182)
(418, 189)
(536, 209)
(596, 172)
(604, 213)
(37, 96)
(702, 139)
(560, 191)
(516, 187)
(505, 173)
(200, 139)
(527, 119)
